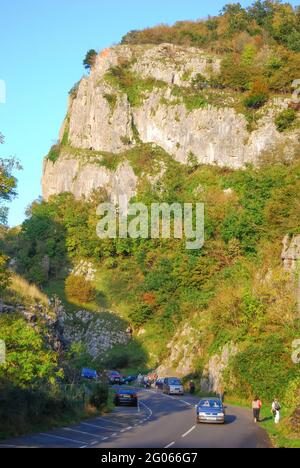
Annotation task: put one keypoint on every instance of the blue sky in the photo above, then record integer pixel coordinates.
(42, 47)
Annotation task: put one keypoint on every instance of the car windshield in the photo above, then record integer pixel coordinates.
(210, 404)
(174, 382)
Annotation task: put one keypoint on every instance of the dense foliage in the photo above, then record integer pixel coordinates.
(262, 41)
(7, 183)
(235, 285)
(80, 289)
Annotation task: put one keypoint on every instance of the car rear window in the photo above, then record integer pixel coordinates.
(210, 404)
(174, 382)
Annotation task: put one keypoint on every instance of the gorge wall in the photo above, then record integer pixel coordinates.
(108, 117)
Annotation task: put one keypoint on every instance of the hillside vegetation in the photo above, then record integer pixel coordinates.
(232, 291)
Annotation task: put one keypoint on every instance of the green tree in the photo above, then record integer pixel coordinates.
(8, 182)
(90, 59)
(262, 12)
(4, 274)
(237, 17)
(29, 361)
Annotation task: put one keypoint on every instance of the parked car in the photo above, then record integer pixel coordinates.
(124, 397)
(211, 411)
(173, 386)
(159, 384)
(129, 379)
(114, 378)
(89, 374)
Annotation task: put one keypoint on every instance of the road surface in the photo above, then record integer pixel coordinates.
(161, 421)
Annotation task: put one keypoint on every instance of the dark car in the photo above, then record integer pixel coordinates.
(159, 384)
(126, 397)
(210, 411)
(114, 378)
(129, 379)
(89, 374)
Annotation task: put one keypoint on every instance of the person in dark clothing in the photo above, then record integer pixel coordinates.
(192, 387)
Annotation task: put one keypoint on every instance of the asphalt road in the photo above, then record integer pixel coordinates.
(159, 422)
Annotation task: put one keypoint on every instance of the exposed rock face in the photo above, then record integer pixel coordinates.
(93, 124)
(101, 119)
(174, 64)
(212, 379)
(95, 331)
(291, 260)
(214, 136)
(291, 253)
(184, 348)
(68, 175)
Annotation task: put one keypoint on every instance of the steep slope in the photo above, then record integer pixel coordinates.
(162, 95)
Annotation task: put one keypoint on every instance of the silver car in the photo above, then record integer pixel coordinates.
(173, 386)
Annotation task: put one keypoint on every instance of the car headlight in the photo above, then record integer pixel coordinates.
(202, 415)
(220, 415)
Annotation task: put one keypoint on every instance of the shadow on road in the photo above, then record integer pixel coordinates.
(230, 419)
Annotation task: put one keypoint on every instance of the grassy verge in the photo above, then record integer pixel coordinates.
(281, 435)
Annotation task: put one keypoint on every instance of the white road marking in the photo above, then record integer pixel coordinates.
(170, 445)
(186, 402)
(127, 429)
(147, 408)
(188, 432)
(79, 432)
(114, 435)
(97, 427)
(83, 446)
(52, 436)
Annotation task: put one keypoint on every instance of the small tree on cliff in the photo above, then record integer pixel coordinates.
(90, 59)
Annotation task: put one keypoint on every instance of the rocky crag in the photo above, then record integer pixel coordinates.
(108, 118)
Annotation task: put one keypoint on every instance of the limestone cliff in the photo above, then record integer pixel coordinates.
(108, 117)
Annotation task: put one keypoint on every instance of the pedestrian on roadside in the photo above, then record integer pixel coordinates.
(276, 408)
(256, 407)
(140, 379)
(192, 387)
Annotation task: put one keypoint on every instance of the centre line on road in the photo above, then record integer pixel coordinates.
(170, 445)
(188, 432)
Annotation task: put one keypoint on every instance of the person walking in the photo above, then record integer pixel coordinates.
(192, 387)
(256, 407)
(276, 408)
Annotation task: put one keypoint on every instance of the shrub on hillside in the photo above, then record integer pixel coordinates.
(285, 119)
(263, 368)
(4, 273)
(255, 101)
(79, 289)
(99, 396)
(26, 410)
(258, 96)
